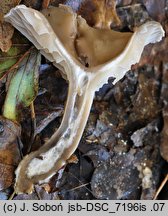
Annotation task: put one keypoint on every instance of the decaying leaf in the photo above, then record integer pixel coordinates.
(164, 97)
(100, 13)
(6, 30)
(9, 58)
(23, 86)
(6, 33)
(9, 151)
(76, 52)
(6, 5)
(164, 146)
(156, 9)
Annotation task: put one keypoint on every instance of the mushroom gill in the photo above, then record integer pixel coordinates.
(88, 57)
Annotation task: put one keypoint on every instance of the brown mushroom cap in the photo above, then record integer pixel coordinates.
(91, 46)
(64, 23)
(98, 46)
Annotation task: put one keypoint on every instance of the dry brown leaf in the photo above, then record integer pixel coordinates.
(163, 145)
(100, 13)
(6, 5)
(6, 30)
(105, 14)
(6, 33)
(73, 159)
(9, 151)
(164, 99)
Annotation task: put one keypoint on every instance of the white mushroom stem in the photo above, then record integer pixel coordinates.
(39, 166)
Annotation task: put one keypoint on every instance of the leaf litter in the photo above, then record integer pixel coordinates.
(6, 30)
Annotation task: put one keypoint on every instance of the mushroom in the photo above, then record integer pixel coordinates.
(87, 57)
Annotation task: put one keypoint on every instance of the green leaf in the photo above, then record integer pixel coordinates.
(8, 59)
(23, 86)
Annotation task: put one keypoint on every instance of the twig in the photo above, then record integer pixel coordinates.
(46, 121)
(33, 126)
(12, 195)
(19, 2)
(20, 146)
(161, 187)
(9, 57)
(130, 6)
(80, 183)
(80, 186)
(38, 195)
(33, 115)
